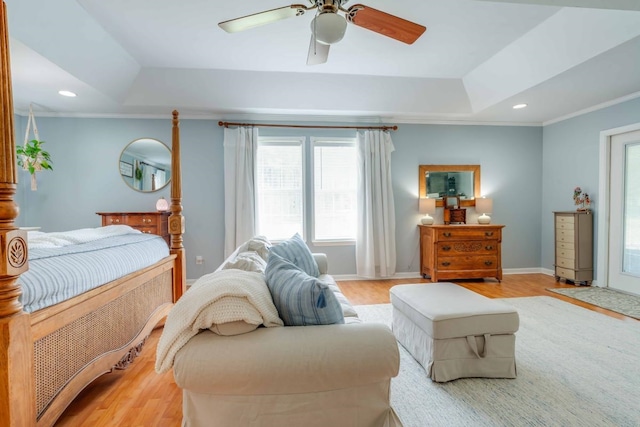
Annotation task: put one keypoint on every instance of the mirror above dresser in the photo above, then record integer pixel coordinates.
(145, 165)
(442, 181)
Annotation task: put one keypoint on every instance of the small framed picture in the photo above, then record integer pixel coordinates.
(126, 169)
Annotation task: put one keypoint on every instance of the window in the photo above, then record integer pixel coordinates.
(280, 187)
(335, 176)
(282, 194)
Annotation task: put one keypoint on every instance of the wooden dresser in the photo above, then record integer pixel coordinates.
(460, 251)
(574, 246)
(147, 222)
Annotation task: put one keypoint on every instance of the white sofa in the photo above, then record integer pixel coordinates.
(330, 375)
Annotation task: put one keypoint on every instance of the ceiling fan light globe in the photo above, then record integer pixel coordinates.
(329, 27)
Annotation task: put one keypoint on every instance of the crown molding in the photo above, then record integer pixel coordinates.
(594, 108)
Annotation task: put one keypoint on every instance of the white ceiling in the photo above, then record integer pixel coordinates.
(475, 61)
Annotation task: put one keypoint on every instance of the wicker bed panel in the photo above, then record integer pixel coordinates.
(59, 356)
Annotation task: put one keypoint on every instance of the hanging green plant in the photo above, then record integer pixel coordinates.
(139, 173)
(33, 158)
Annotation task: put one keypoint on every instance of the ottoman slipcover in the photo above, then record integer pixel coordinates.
(454, 332)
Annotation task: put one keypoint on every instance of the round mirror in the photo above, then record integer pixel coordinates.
(145, 165)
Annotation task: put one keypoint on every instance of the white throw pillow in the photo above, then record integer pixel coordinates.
(247, 261)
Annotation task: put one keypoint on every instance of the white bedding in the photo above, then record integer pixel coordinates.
(39, 239)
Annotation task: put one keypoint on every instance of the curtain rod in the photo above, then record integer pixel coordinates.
(383, 128)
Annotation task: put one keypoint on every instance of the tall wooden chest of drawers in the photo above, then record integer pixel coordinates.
(147, 222)
(574, 246)
(460, 251)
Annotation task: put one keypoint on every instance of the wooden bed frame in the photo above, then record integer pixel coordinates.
(47, 357)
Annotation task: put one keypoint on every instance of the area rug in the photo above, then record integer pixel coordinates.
(622, 303)
(575, 367)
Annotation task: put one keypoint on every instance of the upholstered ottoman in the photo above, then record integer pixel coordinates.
(455, 333)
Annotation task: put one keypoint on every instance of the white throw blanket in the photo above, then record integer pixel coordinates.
(38, 239)
(212, 300)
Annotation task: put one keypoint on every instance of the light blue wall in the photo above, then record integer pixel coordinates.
(571, 158)
(511, 174)
(85, 180)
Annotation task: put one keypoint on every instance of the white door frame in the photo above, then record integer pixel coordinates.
(603, 204)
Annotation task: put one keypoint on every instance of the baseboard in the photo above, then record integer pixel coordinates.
(417, 275)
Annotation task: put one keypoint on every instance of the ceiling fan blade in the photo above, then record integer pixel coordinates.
(262, 18)
(384, 23)
(318, 52)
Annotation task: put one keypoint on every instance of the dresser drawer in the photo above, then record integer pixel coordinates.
(141, 220)
(564, 226)
(566, 273)
(565, 219)
(148, 230)
(565, 253)
(466, 234)
(461, 248)
(113, 220)
(565, 246)
(486, 262)
(566, 262)
(563, 235)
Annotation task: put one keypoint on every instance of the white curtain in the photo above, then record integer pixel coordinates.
(240, 148)
(376, 239)
(147, 177)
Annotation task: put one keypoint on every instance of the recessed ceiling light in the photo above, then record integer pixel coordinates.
(67, 93)
(519, 106)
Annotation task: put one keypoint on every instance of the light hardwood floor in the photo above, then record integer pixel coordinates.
(138, 396)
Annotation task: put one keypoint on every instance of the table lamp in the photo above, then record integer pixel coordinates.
(427, 206)
(484, 206)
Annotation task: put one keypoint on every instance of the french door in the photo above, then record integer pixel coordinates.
(624, 212)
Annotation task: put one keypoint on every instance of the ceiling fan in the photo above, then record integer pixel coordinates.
(328, 26)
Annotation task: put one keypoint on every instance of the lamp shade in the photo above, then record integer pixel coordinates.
(427, 206)
(484, 206)
(328, 27)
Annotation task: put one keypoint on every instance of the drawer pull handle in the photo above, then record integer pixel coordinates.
(446, 248)
(488, 262)
(488, 233)
(446, 263)
(488, 247)
(115, 221)
(446, 234)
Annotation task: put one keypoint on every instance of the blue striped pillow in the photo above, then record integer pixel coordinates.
(301, 299)
(296, 251)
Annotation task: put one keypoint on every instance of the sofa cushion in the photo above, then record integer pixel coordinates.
(348, 311)
(296, 251)
(237, 327)
(301, 299)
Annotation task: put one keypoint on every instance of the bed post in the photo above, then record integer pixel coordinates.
(17, 390)
(176, 220)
